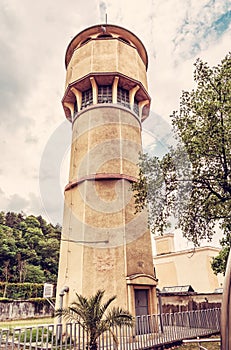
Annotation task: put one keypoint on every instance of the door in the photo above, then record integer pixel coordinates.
(141, 305)
(141, 302)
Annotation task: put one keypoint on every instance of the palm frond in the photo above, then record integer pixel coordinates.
(91, 315)
(106, 305)
(118, 316)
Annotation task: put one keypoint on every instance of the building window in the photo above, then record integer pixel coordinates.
(87, 98)
(85, 41)
(136, 107)
(104, 36)
(75, 108)
(105, 94)
(123, 97)
(124, 40)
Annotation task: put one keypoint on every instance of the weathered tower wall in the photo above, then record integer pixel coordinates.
(105, 245)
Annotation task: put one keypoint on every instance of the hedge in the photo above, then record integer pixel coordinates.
(21, 291)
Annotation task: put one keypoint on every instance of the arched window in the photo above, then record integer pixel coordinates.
(85, 41)
(105, 36)
(136, 107)
(75, 108)
(123, 97)
(125, 40)
(87, 98)
(105, 94)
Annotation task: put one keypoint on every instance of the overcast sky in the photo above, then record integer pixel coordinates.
(34, 35)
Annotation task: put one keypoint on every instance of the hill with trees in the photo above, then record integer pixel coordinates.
(29, 249)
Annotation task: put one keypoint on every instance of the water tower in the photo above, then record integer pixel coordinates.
(105, 245)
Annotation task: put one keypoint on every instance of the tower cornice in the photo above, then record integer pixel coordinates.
(84, 83)
(100, 176)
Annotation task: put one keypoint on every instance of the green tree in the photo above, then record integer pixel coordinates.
(34, 274)
(29, 248)
(94, 316)
(49, 253)
(219, 262)
(32, 221)
(193, 181)
(13, 219)
(8, 252)
(2, 218)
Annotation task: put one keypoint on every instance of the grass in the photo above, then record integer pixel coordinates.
(25, 323)
(207, 345)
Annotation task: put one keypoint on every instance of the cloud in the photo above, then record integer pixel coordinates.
(222, 23)
(201, 26)
(33, 40)
(103, 11)
(157, 135)
(30, 204)
(17, 203)
(31, 139)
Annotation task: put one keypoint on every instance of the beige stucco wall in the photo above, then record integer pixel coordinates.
(105, 140)
(189, 267)
(105, 56)
(165, 244)
(103, 240)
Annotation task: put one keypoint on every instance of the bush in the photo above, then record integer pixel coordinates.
(21, 291)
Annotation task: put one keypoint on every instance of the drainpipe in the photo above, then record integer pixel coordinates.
(160, 309)
(61, 295)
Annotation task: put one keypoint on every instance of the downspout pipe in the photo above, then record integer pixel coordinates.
(226, 309)
(61, 295)
(160, 309)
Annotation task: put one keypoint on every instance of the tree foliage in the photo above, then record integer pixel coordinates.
(219, 262)
(29, 249)
(192, 182)
(95, 318)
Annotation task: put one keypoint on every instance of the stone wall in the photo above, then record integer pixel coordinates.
(15, 310)
(171, 302)
(176, 302)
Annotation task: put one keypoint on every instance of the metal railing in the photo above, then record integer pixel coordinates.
(199, 342)
(148, 332)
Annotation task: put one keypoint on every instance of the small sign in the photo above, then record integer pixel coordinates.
(48, 290)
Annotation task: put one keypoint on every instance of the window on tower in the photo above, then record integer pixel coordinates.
(105, 94)
(123, 97)
(75, 108)
(85, 41)
(124, 40)
(105, 35)
(136, 107)
(87, 98)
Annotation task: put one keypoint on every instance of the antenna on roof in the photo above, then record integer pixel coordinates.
(106, 17)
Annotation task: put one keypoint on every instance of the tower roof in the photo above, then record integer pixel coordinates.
(106, 30)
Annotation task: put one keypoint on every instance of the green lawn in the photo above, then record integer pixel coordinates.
(25, 323)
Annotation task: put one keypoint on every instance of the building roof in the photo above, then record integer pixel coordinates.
(178, 289)
(191, 251)
(106, 30)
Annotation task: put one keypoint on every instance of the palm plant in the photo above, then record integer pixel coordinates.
(94, 316)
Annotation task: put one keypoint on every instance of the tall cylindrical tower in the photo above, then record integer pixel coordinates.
(105, 245)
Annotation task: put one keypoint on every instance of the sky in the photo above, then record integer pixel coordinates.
(34, 134)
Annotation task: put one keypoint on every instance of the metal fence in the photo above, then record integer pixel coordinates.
(149, 331)
(198, 342)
